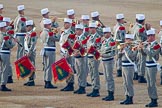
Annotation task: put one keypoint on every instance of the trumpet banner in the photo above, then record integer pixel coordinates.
(79, 47)
(61, 70)
(67, 46)
(92, 50)
(24, 67)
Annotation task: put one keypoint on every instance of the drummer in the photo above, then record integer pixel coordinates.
(6, 43)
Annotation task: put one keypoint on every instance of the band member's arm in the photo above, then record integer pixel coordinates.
(9, 42)
(53, 37)
(142, 34)
(57, 37)
(121, 33)
(153, 51)
(26, 44)
(130, 53)
(33, 42)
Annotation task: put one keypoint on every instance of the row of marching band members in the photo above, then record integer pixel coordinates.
(20, 31)
(96, 45)
(104, 45)
(82, 43)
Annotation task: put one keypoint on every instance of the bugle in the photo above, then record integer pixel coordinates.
(11, 33)
(136, 46)
(102, 24)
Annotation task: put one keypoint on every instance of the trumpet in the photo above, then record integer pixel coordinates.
(120, 46)
(102, 24)
(138, 46)
(62, 19)
(55, 30)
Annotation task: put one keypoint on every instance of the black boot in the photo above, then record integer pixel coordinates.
(135, 76)
(89, 85)
(30, 83)
(141, 79)
(31, 80)
(153, 103)
(119, 73)
(10, 80)
(81, 90)
(94, 93)
(161, 80)
(110, 96)
(45, 82)
(129, 101)
(4, 88)
(48, 85)
(127, 97)
(100, 73)
(69, 87)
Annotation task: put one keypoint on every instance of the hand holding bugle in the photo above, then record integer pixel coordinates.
(62, 19)
(11, 34)
(102, 25)
(140, 45)
(16, 41)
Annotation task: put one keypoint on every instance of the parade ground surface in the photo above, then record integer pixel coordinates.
(37, 96)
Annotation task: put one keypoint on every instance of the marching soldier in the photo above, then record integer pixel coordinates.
(80, 61)
(108, 53)
(160, 37)
(30, 48)
(119, 35)
(93, 64)
(9, 29)
(71, 15)
(140, 35)
(132, 29)
(85, 22)
(128, 57)
(64, 37)
(20, 29)
(96, 18)
(6, 44)
(48, 38)
(152, 50)
(45, 15)
(54, 25)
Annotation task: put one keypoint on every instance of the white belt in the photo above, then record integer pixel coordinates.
(5, 51)
(126, 64)
(90, 55)
(49, 47)
(21, 33)
(107, 58)
(151, 64)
